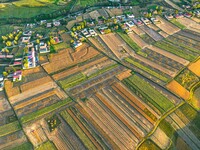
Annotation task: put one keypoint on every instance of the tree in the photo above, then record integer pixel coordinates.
(52, 41)
(5, 74)
(26, 50)
(37, 41)
(8, 43)
(176, 11)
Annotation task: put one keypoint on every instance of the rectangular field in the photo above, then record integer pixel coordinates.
(195, 67)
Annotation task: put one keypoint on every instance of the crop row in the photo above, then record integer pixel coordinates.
(149, 93)
(9, 128)
(44, 111)
(84, 138)
(146, 69)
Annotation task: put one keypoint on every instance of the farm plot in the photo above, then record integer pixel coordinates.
(138, 40)
(169, 55)
(108, 122)
(195, 67)
(167, 26)
(178, 89)
(162, 60)
(78, 68)
(114, 12)
(190, 24)
(134, 101)
(145, 37)
(36, 134)
(187, 79)
(153, 26)
(59, 61)
(148, 145)
(170, 47)
(184, 44)
(138, 31)
(10, 90)
(9, 128)
(67, 117)
(124, 75)
(145, 67)
(43, 59)
(189, 34)
(151, 33)
(160, 138)
(12, 139)
(157, 101)
(164, 34)
(47, 145)
(196, 99)
(115, 44)
(44, 111)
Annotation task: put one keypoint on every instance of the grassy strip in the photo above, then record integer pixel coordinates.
(130, 42)
(156, 98)
(80, 77)
(72, 80)
(148, 145)
(9, 128)
(24, 146)
(46, 146)
(103, 71)
(146, 69)
(175, 50)
(44, 111)
(178, 24)
(182, 44)
(78, 131)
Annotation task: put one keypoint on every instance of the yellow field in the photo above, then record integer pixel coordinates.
(178, 89)
(195, 67)
(32, 3)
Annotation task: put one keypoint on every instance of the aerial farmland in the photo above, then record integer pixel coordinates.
(100, 75)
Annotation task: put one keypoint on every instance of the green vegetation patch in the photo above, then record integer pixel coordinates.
(175, 50)
(146, 69)
(78, 131)
(148, 93)
(44, 111)
(149, 145)
(46, 146)
(187, 79)
(9, 128)
(53, 122)
(130, 42)
(24, 146)
(61, 46)
(167, 128)
(72, 80)
(178, 24)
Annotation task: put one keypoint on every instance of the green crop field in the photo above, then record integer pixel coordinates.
(175, 50)
(24, 146)
(130, 42)
(178, 24)
(149, 93)
(46, 146)
(146, 69)
(72, 80)
(149, 145)
(78, 130)
(44, 111)
(9, 128)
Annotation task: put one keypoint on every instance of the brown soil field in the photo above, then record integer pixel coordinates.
(195, 67)
(96, 43)
(121, 117)
(190, 24)
(153, 26)
(66, 37)
(180, 144)
(30, 85)
(132, 100)
(178, 89)
(196, 19)
(137, 30)
(165, 35)
(85, 130)
(10, 90)
(138, 40)
(167, 26)
(169, 55)
(34, 100)
(115, 43)
(96, 125)
(160, 138)
(114, 11)
(43, 60)
(59, 61)
(94, 14)
(124, 75)
(32, 71)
